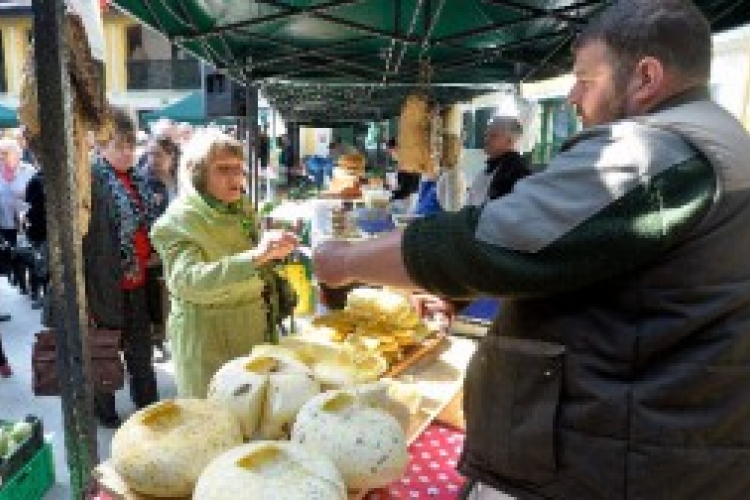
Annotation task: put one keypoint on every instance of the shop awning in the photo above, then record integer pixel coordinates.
(189, 109)
(387, 46)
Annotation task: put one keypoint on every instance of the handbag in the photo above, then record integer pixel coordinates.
(107, 369)
(287, 296)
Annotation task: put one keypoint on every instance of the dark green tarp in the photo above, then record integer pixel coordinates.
(389, 46)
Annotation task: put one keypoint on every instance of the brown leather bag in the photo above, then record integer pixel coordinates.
(107, 369)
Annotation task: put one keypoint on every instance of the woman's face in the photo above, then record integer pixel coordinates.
(226, 178)
(120, 152)
(161, 160)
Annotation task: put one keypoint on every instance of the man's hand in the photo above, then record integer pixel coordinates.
(275, 245)
(330, 263)
(374, 262)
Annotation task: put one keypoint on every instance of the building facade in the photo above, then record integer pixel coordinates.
(143, 71)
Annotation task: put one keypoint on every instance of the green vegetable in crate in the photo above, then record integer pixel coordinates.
(4, 438)
(21, 431)
(12, 445)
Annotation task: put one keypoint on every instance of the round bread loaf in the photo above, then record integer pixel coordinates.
(367, 444)
(162, 449)
(266, 469)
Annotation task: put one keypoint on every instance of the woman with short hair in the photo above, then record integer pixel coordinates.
(162, 163)
(116, 252)
(225, 297)
(163, 158)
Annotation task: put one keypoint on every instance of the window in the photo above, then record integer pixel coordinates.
(135, 48)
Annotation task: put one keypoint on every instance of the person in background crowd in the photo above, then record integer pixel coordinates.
(286, 161)
(184, 132)
(116, 252)
(5, 369)
(620, 364)
(427, 195)
(335, 150)
(14, 176)
(264, 149)
(161, 172)
(36, 232)
(216, 264)
(407, 183)
(142, 146)
(505, 165)
(27, 155)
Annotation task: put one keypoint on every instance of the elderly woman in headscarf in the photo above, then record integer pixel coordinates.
(225, 296)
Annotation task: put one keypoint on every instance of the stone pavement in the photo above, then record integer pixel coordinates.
(17, 400)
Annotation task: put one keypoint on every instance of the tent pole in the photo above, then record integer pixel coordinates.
(251, 110)
(64, 234)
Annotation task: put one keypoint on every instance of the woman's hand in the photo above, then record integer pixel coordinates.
(275, 245)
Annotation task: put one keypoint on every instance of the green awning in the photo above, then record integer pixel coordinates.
(8, 117)
(333, 48)
(189, 109)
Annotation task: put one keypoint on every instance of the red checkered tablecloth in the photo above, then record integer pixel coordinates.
(432, 471)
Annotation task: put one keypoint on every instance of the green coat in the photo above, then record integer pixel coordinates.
(217, 309)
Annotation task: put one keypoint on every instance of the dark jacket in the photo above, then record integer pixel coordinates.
(506, 170)
(407, 183)
(101, 253)
(36, 230)
(103, 267)
(620, 365)
(160, 192)
(498, 178)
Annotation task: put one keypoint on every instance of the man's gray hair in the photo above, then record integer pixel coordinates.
(508, 124)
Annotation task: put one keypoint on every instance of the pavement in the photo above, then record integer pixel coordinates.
(17, 400)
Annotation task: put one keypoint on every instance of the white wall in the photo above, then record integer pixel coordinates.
(730, 71)
(157, 47)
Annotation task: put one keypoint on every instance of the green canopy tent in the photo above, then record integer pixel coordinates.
(327, 60)
(8, 117)
(338, 53)
(189, 109)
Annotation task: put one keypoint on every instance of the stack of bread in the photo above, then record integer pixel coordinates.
(451, 144)
(375, 320)
(352, 164)
(414, 138)
(303, 443)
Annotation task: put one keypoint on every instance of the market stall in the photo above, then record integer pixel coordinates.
(316, 65)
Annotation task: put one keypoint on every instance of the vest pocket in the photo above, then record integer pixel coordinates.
(512, 393)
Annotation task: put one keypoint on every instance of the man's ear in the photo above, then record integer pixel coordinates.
(649, 79)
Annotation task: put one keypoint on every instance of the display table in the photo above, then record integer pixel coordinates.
(438, 377)
(432, 469)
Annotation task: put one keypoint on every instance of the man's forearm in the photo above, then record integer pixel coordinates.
(378, 262)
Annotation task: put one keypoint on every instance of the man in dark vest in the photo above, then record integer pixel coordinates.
(619, 367)
(505, 165)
